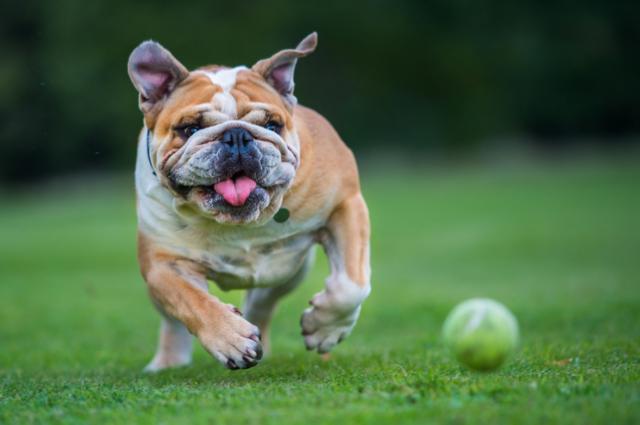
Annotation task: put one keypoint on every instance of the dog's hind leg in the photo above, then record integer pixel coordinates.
(260, 303)
(175, 346)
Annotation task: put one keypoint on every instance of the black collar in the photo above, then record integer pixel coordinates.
(149, 152)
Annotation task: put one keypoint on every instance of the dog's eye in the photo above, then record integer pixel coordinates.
(273, 126)
(189, 130)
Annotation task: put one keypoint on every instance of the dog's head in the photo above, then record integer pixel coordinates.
(222, 140)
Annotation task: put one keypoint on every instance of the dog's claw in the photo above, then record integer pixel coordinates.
(322, 329)
(249, 362)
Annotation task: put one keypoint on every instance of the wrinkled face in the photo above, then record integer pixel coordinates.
(224, 144)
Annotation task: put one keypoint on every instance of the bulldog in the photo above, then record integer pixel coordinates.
(236, 183)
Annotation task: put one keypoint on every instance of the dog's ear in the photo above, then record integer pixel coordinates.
(278, 69)
(154, 72)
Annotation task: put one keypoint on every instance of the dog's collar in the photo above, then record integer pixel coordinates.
(149, 152)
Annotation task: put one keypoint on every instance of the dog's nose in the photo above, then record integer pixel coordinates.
(237, 138)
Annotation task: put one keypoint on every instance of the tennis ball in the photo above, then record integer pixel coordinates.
(481, 333)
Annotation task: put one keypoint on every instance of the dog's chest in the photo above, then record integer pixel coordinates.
(248, 263)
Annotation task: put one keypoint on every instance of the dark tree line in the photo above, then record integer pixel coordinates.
(390, 74)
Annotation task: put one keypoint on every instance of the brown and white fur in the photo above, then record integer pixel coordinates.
(188, 233)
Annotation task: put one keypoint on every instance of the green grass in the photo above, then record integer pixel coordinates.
(559, 244)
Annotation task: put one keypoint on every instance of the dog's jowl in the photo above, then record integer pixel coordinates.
(236, 182)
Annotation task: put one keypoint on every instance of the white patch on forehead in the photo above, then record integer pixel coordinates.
(226, 79)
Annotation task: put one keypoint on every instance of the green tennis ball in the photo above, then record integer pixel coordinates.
(481, 333)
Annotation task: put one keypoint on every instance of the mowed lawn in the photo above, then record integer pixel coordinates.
(557, 243)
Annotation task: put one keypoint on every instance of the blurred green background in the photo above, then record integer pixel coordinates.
(447, 78)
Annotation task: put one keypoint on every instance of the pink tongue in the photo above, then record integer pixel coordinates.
(236, 191)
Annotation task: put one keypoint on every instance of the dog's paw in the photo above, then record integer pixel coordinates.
(232, 340)
(324, 327)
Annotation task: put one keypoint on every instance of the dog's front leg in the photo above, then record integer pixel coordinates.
(335, 310)
(178, 287)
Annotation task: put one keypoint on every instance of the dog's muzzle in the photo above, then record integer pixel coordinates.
(239, 149)
(238, 140)
(234, 167)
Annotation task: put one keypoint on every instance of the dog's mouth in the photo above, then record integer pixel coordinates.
(236, 189)
(238, 193)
